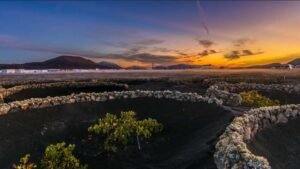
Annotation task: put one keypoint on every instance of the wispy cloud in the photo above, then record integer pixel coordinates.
(7, 38)
(131, 54)
(134, 50)
(150, 58)
(162, 49)
(147, 42)
(205, 43)
(237, 54)
(143, 42)
(207, 52)
(242, 42)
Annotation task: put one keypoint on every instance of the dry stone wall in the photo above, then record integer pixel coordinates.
(231, 149)
(36, 103)
(228, 98)
(238, 87)
(7, 92)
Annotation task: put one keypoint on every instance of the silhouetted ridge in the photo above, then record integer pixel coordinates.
(63, 62)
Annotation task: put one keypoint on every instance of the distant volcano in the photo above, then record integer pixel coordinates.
(109, 65)
(136, 68)
(63, 62)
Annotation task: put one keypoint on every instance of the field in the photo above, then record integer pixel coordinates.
(249, 75)
(191, 128)
(189, 133)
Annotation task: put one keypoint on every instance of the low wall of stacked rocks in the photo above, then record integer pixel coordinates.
(231, 99)
(7, 92)
(238, 87)
(38, 103)
(231, 149)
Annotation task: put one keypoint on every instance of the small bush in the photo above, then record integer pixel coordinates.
(60, 156)
(25, 163)
(119, 131)
(253, 98)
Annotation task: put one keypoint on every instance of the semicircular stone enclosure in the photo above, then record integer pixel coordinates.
(258, 140)
(285, 93)
(191, 122)
(42, 90)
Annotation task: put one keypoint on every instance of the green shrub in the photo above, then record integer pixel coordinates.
(60, 156)
(253, 98)
(119, 131)
(25, 163)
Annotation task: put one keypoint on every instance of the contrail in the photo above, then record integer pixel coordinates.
(201, 13)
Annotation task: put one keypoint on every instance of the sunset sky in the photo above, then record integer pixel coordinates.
(227, 33)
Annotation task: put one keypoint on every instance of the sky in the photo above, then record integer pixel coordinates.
(131, 32)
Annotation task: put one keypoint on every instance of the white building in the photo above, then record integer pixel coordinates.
(23, 71)
(8, 71)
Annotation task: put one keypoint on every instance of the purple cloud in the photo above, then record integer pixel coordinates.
(236, 54)
(7, 38)
(205, 43)
(150, 42)
(242, 42)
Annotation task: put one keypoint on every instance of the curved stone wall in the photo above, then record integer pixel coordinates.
(237, 87)
(231, 149)
(36, 103)
(228, 98)
(7, 92)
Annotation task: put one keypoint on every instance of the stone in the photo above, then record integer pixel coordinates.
(231, 150)
(4, 109)
(281, 118)
(294, 113)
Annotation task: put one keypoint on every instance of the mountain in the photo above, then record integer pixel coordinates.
(295, 62)
(136, 68)
(267, 66)
(160, 67)
(108, 65)
(61, 62)
(182, 66)
(276, 65)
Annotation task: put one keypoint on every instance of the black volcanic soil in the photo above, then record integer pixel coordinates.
(57, 91)
(187, 141)
(283, 97)
(154, 84)
(280, 144)
(194, 85)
